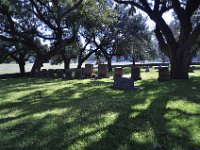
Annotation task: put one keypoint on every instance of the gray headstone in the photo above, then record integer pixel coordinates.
(102, 70)
(163, 74)
(88, 70)
(135, 73)
(118, 72)
(124, 84)
(147, 69)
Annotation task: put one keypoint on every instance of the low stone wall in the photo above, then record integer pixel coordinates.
(15, 75)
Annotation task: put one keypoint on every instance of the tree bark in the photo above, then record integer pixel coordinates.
(22, 67)
(133, 61)
(66, 60)
(82, 60)
(67, 63)
(180, 59)
(180, 65)
(109, 60)
(79, 64)
(37, 65)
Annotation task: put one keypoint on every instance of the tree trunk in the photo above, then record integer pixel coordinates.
(80, 63)
(21, 62)
(67, 63)
(180, 65)
(37, 65)
(22, 67)
(133, 61)
(66, 59)
(81, 59)
(109, 60)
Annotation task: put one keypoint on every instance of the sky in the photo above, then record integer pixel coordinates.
(166, 16)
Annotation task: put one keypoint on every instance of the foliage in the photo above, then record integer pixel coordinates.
(34, 23)
(136, 42)
(178, 51)
(71, 52)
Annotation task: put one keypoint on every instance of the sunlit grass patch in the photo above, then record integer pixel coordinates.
(89, 114)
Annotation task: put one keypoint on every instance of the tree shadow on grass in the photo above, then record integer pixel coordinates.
(150, 129)
(91, 115)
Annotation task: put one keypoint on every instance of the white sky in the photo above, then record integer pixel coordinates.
(166, 16)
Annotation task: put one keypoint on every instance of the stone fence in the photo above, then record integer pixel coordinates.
(88, 72)
(14, 75)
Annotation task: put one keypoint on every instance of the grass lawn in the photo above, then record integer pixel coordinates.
(87, 114)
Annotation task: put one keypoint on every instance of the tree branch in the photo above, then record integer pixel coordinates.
(195, 35)
(39, 14)
(162, 44)
(192, 6)
(131, 3)
(72, 8)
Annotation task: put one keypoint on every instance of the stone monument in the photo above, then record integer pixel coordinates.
(147, 69)
(102, 71)
(43, 73)
(88, 70)
(67, 74)
(50, 73)
(118, 72)
(124, 84)
(135, 73)
(79, 73)
(60, 73)
(163, 74)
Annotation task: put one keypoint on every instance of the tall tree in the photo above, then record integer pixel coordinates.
(15, 53)
(178, 50)
(95, 21)
(32, 21)
(58, 18)
(66, 55)
(136, 39)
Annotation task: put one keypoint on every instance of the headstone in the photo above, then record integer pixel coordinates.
(78, 73)
(83, 75)
(55, 74)
(102, 71)
(123, 84)
(135, 73)
(67, 74)
(60, 73)
(163, 74)
(88, 70)
(37, 73)
(43, 73)
(51, 73)
(147, 69)
(118, 72)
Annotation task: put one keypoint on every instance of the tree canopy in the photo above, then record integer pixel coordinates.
(179, 50)
(62, 30)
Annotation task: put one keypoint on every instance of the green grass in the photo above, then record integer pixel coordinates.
(87, 114)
